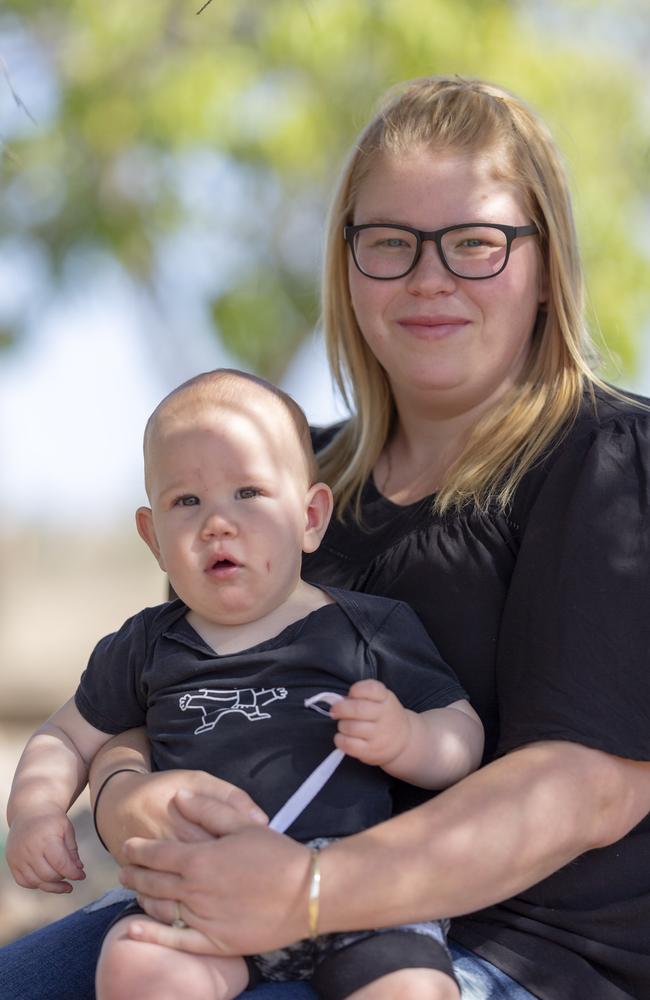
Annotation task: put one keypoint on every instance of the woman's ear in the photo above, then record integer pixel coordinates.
(318, 510)
(146, 530)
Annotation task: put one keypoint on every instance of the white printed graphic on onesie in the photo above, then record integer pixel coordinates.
(246, 701)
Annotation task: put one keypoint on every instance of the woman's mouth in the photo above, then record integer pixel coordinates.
(432, 327)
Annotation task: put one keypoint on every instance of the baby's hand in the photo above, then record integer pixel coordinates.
(42, 851)
(373, 726)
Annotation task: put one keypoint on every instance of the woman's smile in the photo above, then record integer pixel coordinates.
(433, 326)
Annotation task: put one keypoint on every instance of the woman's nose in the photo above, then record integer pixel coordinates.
(430, 276)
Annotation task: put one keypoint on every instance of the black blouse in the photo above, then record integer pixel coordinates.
(544, 614)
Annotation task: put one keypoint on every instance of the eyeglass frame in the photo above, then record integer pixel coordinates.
(435, 235)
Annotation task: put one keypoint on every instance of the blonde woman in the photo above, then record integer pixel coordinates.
(490, 479)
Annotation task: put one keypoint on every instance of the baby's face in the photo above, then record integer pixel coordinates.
(228, 490)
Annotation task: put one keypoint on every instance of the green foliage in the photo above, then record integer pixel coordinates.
(280, 88)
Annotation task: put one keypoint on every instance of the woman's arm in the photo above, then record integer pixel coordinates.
(137, 803)
(481, 841)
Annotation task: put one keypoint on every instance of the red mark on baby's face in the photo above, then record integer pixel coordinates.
(268, 565)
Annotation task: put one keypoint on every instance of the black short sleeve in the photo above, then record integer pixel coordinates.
(408, 663)
(574, 649)
(109, 695)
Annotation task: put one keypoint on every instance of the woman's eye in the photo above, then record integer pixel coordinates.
(248, 492)
(187, 501)
(391, 243)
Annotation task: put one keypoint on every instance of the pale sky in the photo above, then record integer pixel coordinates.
(74, 399)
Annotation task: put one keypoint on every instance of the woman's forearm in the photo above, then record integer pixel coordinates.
(480, 842)
(483, 840)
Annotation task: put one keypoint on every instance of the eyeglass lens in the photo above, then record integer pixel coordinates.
(471, 252)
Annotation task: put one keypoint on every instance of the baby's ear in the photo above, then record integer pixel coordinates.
(146, 530)
(318, 510)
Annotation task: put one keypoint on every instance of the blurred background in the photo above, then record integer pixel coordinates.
(164, 183)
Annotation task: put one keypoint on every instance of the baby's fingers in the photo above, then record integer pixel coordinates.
(370, 690)
(70, 844)
(56, 887)
(62, 860)
(359, 709)
(352, 746)
(40, 876)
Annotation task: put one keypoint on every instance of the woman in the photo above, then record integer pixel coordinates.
(491, 480)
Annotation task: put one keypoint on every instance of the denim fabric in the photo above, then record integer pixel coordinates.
(479, 980)
(58, 963)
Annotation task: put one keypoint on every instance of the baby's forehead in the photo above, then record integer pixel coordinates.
(226, 413)
(257, 422)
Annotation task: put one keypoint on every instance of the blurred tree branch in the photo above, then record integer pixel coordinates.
(229, 129)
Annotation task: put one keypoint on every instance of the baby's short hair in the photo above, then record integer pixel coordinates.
(224, 384)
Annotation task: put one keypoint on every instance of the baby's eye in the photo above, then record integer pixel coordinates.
(187, 501)
(247, 492)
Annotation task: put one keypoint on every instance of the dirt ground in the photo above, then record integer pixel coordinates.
(58, 596)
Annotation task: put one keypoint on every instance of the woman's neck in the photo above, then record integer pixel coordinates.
(420, 450)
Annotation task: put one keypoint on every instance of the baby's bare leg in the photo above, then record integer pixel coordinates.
(409, 984)
(136, 970)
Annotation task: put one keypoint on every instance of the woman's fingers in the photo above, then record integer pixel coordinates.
(147, 883)
(154, 867)
(182, 939)
(219, 817)
(223, 792)
(164, 910)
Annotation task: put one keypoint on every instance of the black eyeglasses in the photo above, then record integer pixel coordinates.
(473, 250)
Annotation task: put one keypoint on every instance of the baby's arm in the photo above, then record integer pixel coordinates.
(430, 749)
(41, 847)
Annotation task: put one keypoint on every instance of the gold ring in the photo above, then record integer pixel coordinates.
(178, 920)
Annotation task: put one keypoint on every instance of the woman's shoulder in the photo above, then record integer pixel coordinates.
(603, 406)
(608, 420)
(606, 445)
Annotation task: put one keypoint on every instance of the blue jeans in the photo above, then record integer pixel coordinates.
(58, 963)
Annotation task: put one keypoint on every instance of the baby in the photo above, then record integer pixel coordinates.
(221, 677)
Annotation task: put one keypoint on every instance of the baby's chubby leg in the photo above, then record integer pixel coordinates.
(136, 970)
(409, 984)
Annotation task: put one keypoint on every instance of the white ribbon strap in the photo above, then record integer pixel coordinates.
(312, 785)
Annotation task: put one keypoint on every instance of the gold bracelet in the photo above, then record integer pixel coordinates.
(314, 893)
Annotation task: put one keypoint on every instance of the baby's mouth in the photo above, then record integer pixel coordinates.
(223, 567)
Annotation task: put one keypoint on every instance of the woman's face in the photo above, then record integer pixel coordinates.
(447, 344)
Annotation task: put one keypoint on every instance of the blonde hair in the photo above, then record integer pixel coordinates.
(223, 385)
(467, 117)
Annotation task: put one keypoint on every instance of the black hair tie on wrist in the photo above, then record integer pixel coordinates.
(121, 770)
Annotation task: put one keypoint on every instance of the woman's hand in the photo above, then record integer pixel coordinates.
(242, 893)
(136, 803)
(143, 805)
